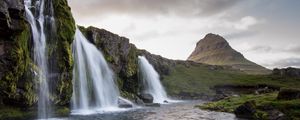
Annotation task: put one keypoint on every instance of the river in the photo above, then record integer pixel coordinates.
(176, 111)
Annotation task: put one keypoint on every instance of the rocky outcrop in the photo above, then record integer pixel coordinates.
(123, 57)
(119, 53)
(60, 53)
(247, 110)
(288, 94)
(215, 50)
(17, 83)
(287, 72)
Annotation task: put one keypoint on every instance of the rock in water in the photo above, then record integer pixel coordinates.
(247, 110)
(215, 50)
(152, 104)
(147, 98)
(124, 104)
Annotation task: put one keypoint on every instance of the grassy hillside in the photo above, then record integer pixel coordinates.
(200, 78)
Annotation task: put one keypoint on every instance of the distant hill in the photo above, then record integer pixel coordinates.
(215, 50)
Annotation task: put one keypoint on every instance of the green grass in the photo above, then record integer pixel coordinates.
(200, 78)
(291, 108)
(13, 113)
(9, 113)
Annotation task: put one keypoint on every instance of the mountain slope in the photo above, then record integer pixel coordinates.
(215, 50)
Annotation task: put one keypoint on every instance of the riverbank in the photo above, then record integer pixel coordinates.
(262, 106)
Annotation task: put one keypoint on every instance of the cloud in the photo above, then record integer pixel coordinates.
(294, 49)
(260, 49)
(241, 34)
(245, 23)
(146, 7)
(267, 49)
(289, 62)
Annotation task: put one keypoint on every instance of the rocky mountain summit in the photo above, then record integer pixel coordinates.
(215, 50)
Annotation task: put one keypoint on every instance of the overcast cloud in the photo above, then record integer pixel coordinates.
(265, 31)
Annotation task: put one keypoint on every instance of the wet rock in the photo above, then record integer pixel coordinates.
(275, 115)
(288, 94)
(152, 104)
(147, 98)
(124, 104)
(247, 110)
(165, 101)
(139, 101)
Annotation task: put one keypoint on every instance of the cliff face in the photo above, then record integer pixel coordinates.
(17, 83)
(215, 50)
(121, 55)
(123, 58)
(15, 55)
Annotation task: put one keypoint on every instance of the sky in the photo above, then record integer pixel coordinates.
(264, 31)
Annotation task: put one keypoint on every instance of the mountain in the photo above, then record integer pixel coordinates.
(215, 50)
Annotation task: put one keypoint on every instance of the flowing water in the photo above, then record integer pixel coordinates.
(94, 88)
(151, 82)
(37, 22)
(177, 111)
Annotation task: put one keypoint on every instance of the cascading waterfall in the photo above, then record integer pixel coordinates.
(151, 82)
(40, 52)
(93, 86)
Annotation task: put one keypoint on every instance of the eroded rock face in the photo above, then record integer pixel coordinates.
(287, 72)
(215, 50)
(17, 83)
(123, 59)
(119, 53)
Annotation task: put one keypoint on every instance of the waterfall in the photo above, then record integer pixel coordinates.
(93, 85)
(151, 82)
(40, 53)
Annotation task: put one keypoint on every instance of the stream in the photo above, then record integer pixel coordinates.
(176, 111)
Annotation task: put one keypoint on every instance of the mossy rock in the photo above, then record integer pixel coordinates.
(288, 94)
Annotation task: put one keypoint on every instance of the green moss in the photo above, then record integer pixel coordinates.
(128, 95)
(132, 62)
(9, 113)
(18, 66)
(62, 111)
(229, 105)
(63, 54)
(290, 108)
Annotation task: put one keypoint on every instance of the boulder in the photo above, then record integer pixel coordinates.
(288, 94)
(275, 115)
(247, 110)
(124, 104)
(139, 101)
(147, 98)
(152, 104)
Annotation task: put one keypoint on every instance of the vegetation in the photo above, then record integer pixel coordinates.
(201, 78)
(291, 108)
